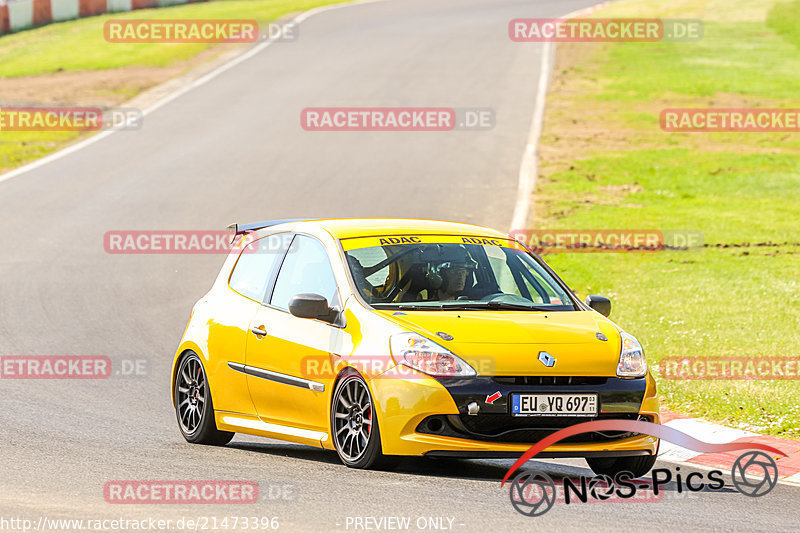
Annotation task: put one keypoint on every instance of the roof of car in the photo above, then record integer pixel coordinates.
(345, 228)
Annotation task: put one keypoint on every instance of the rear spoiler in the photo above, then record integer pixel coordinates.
(241, 229)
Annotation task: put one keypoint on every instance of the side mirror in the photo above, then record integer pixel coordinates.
(312, 306)
(601, 304)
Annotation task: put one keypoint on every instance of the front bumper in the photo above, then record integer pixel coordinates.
(427, 417)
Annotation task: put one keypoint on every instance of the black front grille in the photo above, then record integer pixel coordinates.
(511, 429)
(551, 380)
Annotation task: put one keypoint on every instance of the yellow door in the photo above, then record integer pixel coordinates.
(279, 346)
(282, 385)
(229, 327)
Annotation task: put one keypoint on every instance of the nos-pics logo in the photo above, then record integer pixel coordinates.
(533, 493)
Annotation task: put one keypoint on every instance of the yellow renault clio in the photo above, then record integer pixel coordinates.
(381, 338)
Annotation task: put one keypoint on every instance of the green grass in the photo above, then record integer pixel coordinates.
(782, 19)
(80, 45)
(705, 303)
(735, 188)
(743, 58)
(731, 197)
(20, 147)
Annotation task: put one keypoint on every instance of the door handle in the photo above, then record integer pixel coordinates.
(260, 331)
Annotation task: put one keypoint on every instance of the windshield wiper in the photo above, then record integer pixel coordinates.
(466, 306)
(412, 307)
(407, 307)
(502, 306)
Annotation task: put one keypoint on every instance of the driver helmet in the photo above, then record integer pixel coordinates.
(456, 259)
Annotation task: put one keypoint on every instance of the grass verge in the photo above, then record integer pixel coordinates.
(607, 164)
(79, 44)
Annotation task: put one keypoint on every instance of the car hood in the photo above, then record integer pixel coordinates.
(509, 342)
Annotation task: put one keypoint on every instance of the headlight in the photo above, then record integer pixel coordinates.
(631, 358)
(423, 354)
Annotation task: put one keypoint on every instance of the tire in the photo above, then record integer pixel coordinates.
(194, 407)
(638, 465)
(354, 425)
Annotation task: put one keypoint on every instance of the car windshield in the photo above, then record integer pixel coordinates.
(413, 272)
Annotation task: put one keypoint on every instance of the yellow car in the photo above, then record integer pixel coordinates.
(381, 338)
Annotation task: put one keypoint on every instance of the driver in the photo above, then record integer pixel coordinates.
(454, 277)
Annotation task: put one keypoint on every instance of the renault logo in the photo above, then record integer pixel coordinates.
(546, 359)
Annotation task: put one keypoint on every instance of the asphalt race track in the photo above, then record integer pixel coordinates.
(231, 150)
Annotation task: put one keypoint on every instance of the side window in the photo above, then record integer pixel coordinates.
(502, 272)
(255, 264)
(534, 278)
(513, 276)
(367, 257)
(306, 269)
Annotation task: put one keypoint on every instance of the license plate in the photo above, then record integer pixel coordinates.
(554, 404)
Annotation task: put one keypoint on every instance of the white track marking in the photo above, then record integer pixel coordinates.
(708, 432)
(701, 430)
(528, 170)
